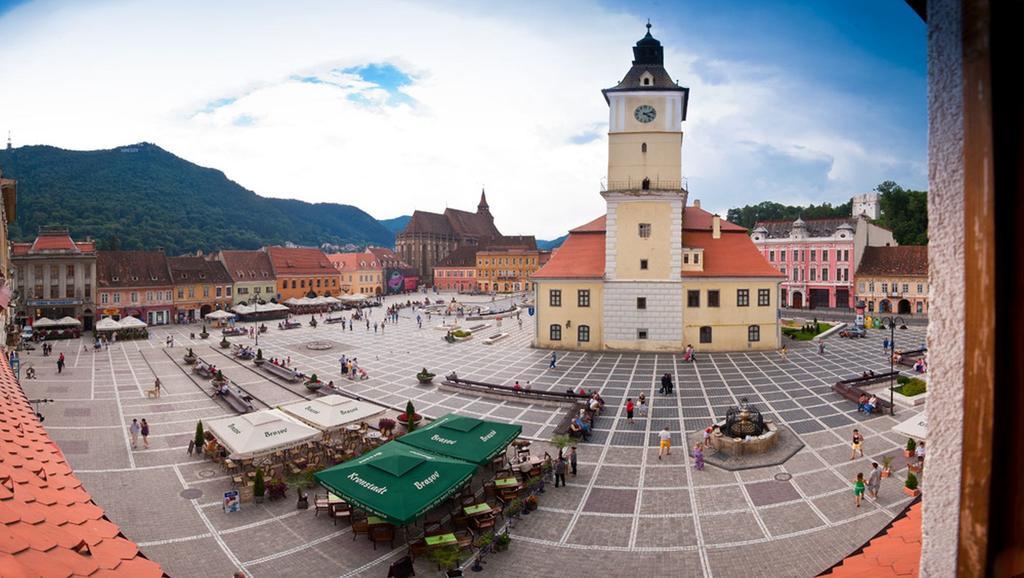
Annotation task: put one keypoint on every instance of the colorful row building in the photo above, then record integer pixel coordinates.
(56, 276)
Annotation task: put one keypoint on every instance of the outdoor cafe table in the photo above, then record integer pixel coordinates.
(332, 499)
(441, 540)
(506, 483)
(374, 521)
(477, 510)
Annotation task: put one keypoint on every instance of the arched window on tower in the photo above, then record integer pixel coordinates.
(647, 81)
(643, 148)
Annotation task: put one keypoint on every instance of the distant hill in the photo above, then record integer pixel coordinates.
(552, 244)
(143, 197)
(397, 224)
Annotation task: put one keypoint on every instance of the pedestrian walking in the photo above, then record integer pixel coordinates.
(707, 436)
(60, 363)
(572, 459)
(520, 321)
(134, 430)
(874, 480)
(821, 347)
(629, 410)
(560, 471)
(665, 447)
(858, 488)
(783, 352)
(554, 360)
(857, 447)
(144, 430)
(885, 345)
(156, 387)
(698, 457)
(641, 406)
(919, 452)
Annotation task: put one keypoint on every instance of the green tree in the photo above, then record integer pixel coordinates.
(904, 212)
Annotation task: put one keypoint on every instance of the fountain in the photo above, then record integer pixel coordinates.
(744, 431)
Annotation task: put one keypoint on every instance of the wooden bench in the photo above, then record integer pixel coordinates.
(282, 372)
(289, 325)
(510, 391)
(238, 400)
(496, 337)
(909, 358)
(233, 331)
(202, 369)
(851, 389)
(334, 320)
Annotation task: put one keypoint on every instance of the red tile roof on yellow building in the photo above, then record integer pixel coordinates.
(731, 255)
(49, 525)
(299, 261)
(908, 260)
(353, 261)
(896, 552)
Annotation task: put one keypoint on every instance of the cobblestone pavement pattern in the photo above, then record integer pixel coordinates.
(626, 511)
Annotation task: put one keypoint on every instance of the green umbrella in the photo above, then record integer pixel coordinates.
(467, 438)
(396, 482)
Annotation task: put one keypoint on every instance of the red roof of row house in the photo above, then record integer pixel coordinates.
(124, 269)
(388, 258)
(49, 525)
(733, 254)
(905, 260)
(299, 261)
(353, 261)
(247, 266)
(193, 270)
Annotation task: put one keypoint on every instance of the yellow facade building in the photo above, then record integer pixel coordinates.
(359, 272)
(654, 274)
(894, 279)
(508, 269)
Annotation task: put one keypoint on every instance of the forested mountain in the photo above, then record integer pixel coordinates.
(397, 224)
(747, 215)
(552, 244)
(143, 197)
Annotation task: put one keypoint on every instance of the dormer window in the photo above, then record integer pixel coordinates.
(114, 278)
(134, 278)
(647, 79)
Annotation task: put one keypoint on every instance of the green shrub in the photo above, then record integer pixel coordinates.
(913, 386)
(911, 482)
(911, 444)
(901, 379)
(200, 436)
(259, 487)
(461, 333)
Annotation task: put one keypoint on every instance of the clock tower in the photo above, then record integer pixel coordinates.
(645, 195)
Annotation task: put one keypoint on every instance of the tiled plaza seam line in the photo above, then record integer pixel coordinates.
(92, 379)
(705, 564)
(736, 475)
(634, 527)
(209, 525)
(814, 451)
(604, 452)
(120, 412)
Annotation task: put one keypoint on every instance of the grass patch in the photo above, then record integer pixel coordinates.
(911, 386)
(805, 332)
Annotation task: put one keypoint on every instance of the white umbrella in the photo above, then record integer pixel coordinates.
(68, 321)
(44, 322)
(242, 309)
(219, 314)
(292, 301)
(260, 433)
(107, 324)
(132, 323)
(332, 412)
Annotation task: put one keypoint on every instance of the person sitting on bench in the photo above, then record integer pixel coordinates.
(870, 404)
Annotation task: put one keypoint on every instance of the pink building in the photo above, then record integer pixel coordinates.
(818, 257)
(457, 271)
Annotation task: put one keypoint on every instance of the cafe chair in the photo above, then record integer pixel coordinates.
(319, 503)
(342, 511)
(417, 548)
(383, 533)
(360, 527)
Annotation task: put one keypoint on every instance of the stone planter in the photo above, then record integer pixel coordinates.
(886, 473)
(912, 493)
(259, 361)
(191, 359)
(204, 335)
(425, 379)
(219, 382)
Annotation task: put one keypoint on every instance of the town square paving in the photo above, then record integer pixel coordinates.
(625, 511)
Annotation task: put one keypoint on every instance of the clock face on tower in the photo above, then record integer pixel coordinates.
(645, 113)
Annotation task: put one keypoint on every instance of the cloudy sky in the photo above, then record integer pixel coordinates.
(394, 106)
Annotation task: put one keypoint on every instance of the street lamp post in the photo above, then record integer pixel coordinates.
(892, 321)
(255, 310)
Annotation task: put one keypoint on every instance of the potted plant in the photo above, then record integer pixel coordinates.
(534, 484)
(301, 482)
(911, 446)
(409, 418)
(514, 508)
(224, 343)
(190, 357)
(561, 442)
(425, 376)
(502, 541)
(482, 543)
(276, 489)
(313, 383)
(259, 489)
(203, 334)
(219, 378)
(531, 503)
(386, 425)
(259, 357)
(910, 486)
(886, 463)
(200, 437)
(446, 558)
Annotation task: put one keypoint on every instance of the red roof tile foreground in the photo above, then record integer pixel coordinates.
(909, 260)
(897, 552)
(49, 525)
(697, 219)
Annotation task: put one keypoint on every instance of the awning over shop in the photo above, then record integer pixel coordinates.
(107, 324)
(466, 438)
(44, 322)
(332, 412)
(132, 323)
(397, 482)
(260, 433)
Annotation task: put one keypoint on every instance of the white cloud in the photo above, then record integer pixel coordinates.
(509, 100)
